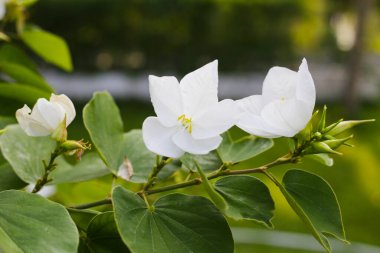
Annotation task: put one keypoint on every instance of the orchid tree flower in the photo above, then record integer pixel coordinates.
(3, 8)
(285, 106)
(46, 116)
(189, 116)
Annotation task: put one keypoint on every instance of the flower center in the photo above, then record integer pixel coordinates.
(186, 122)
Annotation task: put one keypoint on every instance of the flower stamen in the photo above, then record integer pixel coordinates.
(186, 122)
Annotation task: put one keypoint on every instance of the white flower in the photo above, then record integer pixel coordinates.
(285, 106)
(189, 116)
(3, 8)
(46, 116)
(46, 191)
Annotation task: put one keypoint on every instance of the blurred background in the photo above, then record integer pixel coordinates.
(116, 44)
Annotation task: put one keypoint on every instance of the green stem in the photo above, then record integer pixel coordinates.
(93, 204)
(48, 169)
(160, 163)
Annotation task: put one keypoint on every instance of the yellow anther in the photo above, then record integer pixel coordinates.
(186, 122)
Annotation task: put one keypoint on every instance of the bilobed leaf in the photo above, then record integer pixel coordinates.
(25, 76)
(208, 162)
(89, 167)
(22, 92)
(8, 178)
(12, 54)
(102, 235)
(234, 151)
(247, 198)
(30, 223)
(103, 122)
(25, 153)
(50, 47)
(175, 223)
(313, 199)
(140, 158)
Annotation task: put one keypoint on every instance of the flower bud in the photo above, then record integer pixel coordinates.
(345, 125)
(320, 147)
(75, 147)
(334, 144)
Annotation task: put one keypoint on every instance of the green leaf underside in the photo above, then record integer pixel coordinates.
(8, 179)
(26, 76)
(22, 92)
(313, 199)
(141, 159)
(25, 153)
(103, 122)
(12, 54)
(208, 162)
(102, 235)
(231, 151)
(48, 46)
(48, 225)
(89, 167)
(247, 198)
(179, 223)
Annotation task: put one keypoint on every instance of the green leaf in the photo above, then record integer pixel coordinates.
(82, 217)
(25, 153)
(324, 159)
(5, 120)
(50, 47)
(141, 159)
(26, 76)
(176, 223)
(247, 198)
(8, 179)
(102, 235)
(31, 223)
(22, 92)
(231, 151)
(12, 54)
(89, 167)
(208, 162)
(103, 122)
(314, 201)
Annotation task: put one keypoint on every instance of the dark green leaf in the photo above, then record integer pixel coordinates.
(25, 153)
(50, 47)
(313, 199)
(22, 92)
(82, 217)
(208, 162)
(175, 223)
(231, 151)
(31, 223)
(103, 122)
(89, 167)
(103, 236)
(9, 179)
(247, 198)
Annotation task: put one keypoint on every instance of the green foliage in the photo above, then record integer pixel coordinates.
(31, 223)
(208, 162)
(231, 151)
(50, 47)
(247, 198)
(8, 179)
(22, 92)
(102, 236)
(315, 203)
(14, 55)
(174, 223)
(26, 154)
(102, 119)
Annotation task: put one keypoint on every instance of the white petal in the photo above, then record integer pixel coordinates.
(256, 125)
(49, 113)
(280, 83)
(166, 98)
(186, 142)
(305, 86)
(252, 104)
(30, 125)
(200, 88)
(66, 104)
(158, 138)
(215, 120)
(2, 9)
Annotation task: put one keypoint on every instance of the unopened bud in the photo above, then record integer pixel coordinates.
(320, 147)
(75, 147)
(345, 125)
(334, 144)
